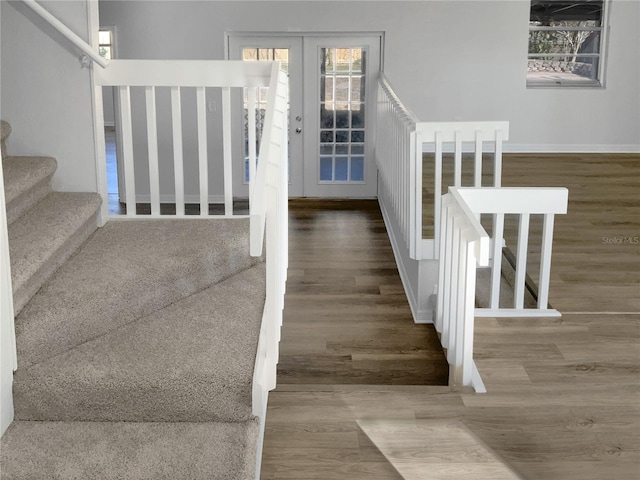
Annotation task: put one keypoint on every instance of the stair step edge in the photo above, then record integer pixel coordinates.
(46, 236)
(27, 181)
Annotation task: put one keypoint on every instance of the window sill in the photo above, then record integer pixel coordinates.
(563, 85)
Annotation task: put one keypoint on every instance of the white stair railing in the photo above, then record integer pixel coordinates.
(269, 209)
(268, 195)
(458, 138)
(206, 81)
(464, 245)
(522, 202)
(400, 185)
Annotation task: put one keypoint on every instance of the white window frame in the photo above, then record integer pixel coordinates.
(111, 45)
(599, 80)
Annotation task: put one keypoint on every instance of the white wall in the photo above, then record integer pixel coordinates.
(449, 60)
(46, 96)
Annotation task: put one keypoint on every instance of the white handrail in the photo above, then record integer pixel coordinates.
(400, 175)
(269, 211)
(67, 32)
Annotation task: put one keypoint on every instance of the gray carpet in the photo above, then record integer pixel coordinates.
(26, 181)
(142, 340)
(69, 219)
(126, 270)
(149, 451)
(191, 361)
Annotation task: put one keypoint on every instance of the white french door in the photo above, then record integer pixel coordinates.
(331, 109)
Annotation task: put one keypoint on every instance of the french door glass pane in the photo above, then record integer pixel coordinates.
(256, 54)
(342, 119)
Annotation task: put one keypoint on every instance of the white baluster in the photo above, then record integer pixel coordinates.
(152, 143)
(545, 261)
(521, 260)
(127, 150)
(178, 162)
(437, 187)
(469, 315)
(458, 159)
(251, 135)
(496, 266)
(226, 148)
(497, 165)
(203, 156)
(477, 170)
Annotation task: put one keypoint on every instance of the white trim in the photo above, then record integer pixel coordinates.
(8, 355)
(97, 105)
(569, 148)
(601, 313)
(260, 446)
(516, 313)
(419, 316)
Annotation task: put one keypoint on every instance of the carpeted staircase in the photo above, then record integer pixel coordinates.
(136, 341)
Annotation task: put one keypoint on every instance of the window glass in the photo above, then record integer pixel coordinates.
(105, 43)
(342, 114)
(565, 42)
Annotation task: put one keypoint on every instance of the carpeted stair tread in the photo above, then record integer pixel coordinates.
(46, 236)
(191, 361)
(126, 270)
(26, 181)
(133, 451)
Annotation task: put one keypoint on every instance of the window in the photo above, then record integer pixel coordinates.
(105, 43)
(565, 43)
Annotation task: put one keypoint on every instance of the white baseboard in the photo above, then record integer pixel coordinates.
(419, 316)
(537, 148)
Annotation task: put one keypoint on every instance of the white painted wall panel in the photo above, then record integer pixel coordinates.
(46, 96)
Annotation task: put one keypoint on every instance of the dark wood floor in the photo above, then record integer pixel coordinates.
(346, 316)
